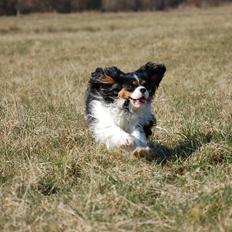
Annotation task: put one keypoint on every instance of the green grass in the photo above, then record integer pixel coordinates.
(54, 177)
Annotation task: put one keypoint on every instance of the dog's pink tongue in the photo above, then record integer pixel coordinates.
(139, 102)
(142, 100)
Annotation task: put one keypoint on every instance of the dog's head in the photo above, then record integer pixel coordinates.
(129, 90)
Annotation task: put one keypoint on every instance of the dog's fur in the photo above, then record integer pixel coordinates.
(118, 106)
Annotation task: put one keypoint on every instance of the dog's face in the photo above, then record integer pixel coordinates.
(134, 91)
(128, 90)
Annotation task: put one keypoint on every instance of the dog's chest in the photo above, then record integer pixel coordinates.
(108, 115)
(125, 120)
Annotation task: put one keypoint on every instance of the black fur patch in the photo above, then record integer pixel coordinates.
(147, 128)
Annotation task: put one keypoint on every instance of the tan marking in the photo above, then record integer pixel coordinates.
(107, 80)
(135, 83)
(124, 94)
(142, 82)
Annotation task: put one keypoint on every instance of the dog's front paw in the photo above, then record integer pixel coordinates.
(142, 152)
(127, 142)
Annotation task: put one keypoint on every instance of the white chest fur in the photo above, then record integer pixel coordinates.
(122, 118)
(113, 125)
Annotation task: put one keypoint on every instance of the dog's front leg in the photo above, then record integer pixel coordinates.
(140, 137)
(141, 149)
(112, 136)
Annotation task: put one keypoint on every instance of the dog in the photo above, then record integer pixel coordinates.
(118, 106)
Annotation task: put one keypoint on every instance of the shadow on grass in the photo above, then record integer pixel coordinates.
(184, 148)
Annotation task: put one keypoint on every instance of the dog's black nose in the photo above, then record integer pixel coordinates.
(143, 90)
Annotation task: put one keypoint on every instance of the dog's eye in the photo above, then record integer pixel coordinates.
(132, 86)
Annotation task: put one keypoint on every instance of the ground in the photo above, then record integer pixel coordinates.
(54, 177)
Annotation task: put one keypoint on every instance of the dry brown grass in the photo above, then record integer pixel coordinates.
(53, 177)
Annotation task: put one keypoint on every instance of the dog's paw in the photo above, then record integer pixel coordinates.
(142, 152)
(127, 142)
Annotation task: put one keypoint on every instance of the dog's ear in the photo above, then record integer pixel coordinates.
(108, 76)
(99, 76)
(152, 72)
(155, 72)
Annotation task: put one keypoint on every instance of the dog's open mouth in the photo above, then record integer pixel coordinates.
(138, 102)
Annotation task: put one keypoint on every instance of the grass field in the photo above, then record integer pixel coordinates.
(54, 177)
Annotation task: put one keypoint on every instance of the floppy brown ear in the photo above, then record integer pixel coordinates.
(106, 76)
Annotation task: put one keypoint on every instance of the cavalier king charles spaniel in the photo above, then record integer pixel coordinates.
(118, 106)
